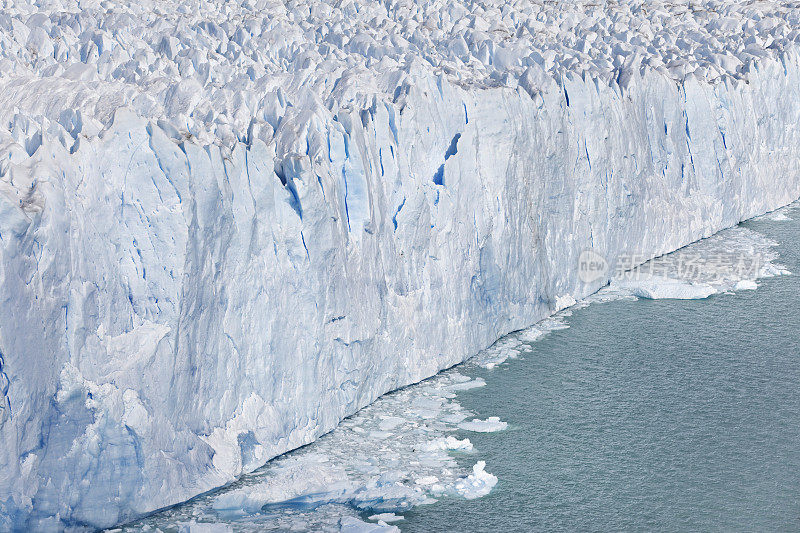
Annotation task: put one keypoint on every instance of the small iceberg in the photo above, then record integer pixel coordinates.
(489, 425)
(479, 483)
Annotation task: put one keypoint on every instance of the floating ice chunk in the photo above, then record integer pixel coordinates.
(449, 443)
(312, 488)
(542, 328)
(564, 301)
(555, 323)
(770, 270)
(390, 423)
(731, 260)
(489, 425)
(386, 494)
(351, 524)
(427, 480)
(657, 288)
(454, 418)
(498, 353)
(532, 334)
(478, 483)
(203, 527)
(746, 285)
(778, 216)
(386, 517)
(308, 480)
(467, 385)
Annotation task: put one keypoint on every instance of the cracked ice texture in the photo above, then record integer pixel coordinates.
(225, 227)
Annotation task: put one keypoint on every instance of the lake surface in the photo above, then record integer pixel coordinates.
(648, 414)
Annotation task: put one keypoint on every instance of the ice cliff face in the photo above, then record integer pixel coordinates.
(223, 230)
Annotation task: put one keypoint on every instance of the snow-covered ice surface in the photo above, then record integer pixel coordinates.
(224, 227)
(222, 72)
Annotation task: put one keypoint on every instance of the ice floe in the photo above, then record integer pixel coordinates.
(490, 425)
(386, 517)
(479, 483)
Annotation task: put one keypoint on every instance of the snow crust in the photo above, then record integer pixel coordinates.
(226, 227)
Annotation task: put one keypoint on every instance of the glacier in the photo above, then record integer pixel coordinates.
(225, 228)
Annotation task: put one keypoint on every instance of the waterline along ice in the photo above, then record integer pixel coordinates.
(408, 456)
(226, 227)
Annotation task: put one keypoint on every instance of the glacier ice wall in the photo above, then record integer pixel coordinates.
(175, 313)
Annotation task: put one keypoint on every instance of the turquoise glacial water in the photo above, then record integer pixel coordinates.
(667, 415)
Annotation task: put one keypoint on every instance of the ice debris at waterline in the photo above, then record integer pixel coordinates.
(224, 227)
(779, 215)
(732, 260)
(392, 455)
